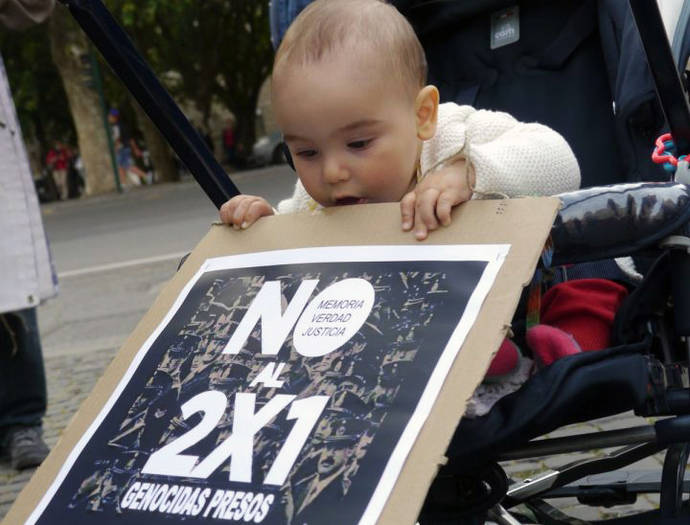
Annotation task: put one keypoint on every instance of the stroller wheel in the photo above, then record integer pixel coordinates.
(463, 498)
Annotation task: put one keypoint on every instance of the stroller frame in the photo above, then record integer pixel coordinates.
(642, 441)
(497, 498)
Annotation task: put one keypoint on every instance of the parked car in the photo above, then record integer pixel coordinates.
(268, 150)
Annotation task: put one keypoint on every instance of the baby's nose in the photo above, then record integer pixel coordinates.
(334, 171)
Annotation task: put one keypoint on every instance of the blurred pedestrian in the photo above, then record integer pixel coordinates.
(26, 275)
(125, 146)
(230, 142)
(58, 162)
(75, 179)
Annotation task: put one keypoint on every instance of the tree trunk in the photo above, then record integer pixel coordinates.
(161, 155)
(70, 53)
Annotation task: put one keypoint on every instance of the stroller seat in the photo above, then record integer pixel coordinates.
(600, 222)
(577, 66)
(627, 375)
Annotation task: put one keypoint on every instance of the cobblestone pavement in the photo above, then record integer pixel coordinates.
(71, 378)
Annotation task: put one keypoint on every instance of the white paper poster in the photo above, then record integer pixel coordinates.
(281, 387)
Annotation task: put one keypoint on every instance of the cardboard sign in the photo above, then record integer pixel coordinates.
(298, 372)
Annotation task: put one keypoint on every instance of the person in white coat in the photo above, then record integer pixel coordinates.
(26, 274)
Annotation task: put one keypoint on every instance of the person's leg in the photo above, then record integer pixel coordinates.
(132, 173)
(23, 396)
(138, 172)
(123, 162)
(58, 184)
(61, 181)
(230, 156)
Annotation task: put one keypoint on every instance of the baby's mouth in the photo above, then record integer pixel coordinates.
(347, 201)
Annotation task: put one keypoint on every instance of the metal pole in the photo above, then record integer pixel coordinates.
(582, 442)
(98, 81)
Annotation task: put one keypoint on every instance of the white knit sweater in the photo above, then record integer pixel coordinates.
(509, 157)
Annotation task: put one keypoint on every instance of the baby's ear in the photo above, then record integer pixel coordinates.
(426, 110)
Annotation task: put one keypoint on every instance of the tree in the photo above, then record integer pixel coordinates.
(70, 53)
(220, 49)
(228, 59)
(246, 55)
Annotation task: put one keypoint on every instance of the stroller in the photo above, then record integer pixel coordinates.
(574, 50)
(568, 55)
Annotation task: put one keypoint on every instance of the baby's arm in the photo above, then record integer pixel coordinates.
(508, 156)
(242, 211)
(516, 158)
(479, 153)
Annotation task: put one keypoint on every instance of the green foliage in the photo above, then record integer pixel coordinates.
(218, 49)
(36, 86)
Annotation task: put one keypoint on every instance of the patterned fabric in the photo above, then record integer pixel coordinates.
(487, 394)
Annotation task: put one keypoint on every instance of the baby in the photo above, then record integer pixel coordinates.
(361, 124)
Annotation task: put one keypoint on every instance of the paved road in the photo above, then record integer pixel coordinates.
(113, 255)
(147, 222)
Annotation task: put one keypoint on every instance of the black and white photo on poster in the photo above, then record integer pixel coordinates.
(281, 387)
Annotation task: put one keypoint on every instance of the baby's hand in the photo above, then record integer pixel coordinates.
(429, 204)
(244, 210)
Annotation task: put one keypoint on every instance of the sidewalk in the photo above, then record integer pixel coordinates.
(70, 380)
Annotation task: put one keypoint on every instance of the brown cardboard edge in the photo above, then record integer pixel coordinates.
(427, 454)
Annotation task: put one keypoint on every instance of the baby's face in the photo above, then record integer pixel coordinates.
(351, 130)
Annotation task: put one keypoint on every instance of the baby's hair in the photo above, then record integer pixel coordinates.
(325, 26)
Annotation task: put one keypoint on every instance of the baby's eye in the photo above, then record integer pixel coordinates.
(359, 144)
(306, 153)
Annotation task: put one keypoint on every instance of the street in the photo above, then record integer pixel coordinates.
(146, 222)
(114, 253)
